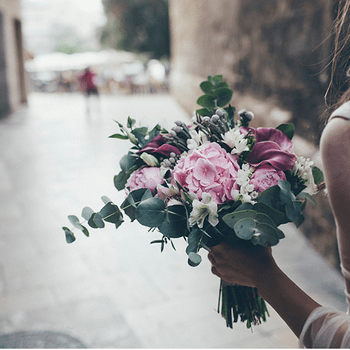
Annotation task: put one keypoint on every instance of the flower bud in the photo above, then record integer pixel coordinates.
(220, 112)
(166, 163)
(206, 120)
(172, 133)
(179, 123)
(149, 159)
(242, 112)
(177, 129)
(249, 116)
(172, 160)
(215, 118)
(172, 154)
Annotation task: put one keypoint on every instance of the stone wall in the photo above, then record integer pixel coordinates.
(274, 56)
(12, 49)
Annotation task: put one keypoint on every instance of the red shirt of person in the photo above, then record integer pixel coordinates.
(87, 80)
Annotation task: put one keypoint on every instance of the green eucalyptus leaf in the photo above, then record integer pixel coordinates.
(127, 161)
(131, 122)
(96, 219)
(134, 198)
(147, 194)
(153, 133)
(204, 112)
(231, 219)
(175, 224)
(223, 96)
(217, 79)
(85, 231)
(86, 213)
(230, 115)
(207, 100)
(294, 211)
(70, 238)
(245, 228)
(194, 259)
(120, 180)
(287, 129)
(317, 175)
(265, 235)
(278, 217)
(73, 220)
(118, 136)
(111, 213)
(286, 195)
(105, 199)
(206, 86)
(140, 134)
(307, 196)
(151, 212)
(223, 84)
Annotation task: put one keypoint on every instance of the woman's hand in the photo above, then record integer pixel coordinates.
(243, 264)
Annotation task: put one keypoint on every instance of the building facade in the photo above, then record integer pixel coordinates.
(12, 74)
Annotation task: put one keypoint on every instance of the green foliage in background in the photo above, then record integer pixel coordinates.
(140, 26)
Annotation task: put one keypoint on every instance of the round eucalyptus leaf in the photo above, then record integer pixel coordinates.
(207, 100)
(175, 224)
(266, 235)
(224, 96)
(194, 259)
(70, 238)
(245, 228)
(87, 213)
(206, 86)
(151, 212)
(231, 219)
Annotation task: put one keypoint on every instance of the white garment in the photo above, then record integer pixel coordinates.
(327, 327)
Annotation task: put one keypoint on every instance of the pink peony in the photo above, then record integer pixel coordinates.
(145, 178)
(208, 169)
(272, 147)
(266, 176)
(159, 145)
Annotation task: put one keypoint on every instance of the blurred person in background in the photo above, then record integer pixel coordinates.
(316, 326)
(89, 86)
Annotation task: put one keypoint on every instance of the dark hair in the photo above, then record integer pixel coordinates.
(338, 90)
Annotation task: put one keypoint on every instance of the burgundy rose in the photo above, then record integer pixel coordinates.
(159, 145)
(272, 147)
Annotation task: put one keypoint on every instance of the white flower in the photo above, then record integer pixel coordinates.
(202, 209)
(236, 141)
(232, 136)
(149, 159)
(240, 146)
(303, 168)
(196, 140)
(174, 201)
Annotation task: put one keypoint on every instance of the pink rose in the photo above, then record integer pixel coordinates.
(266, 176)
(272, 147)
(159, 145)
(208, 169)
(145, 178)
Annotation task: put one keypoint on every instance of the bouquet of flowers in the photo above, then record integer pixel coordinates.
(213, 181)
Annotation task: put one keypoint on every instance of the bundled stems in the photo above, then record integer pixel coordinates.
(241, 303)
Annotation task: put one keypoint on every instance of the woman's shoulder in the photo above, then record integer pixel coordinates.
(336, 134)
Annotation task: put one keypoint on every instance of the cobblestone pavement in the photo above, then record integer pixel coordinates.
(114, 289)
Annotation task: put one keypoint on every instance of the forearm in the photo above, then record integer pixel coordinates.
(290, 302)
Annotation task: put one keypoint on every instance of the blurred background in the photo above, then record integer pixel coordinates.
(145, 59)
